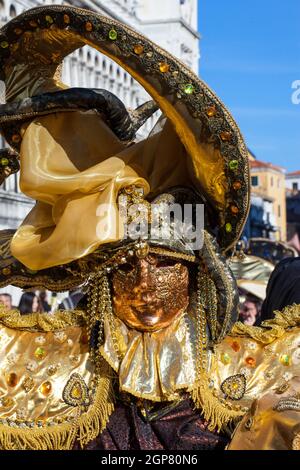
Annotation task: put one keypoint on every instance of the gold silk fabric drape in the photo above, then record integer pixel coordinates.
(74, 166)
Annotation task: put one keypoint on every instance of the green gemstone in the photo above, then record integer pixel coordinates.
(285, 359)
(233, 165)
(189, 89)
(112, 34)
(4, 44)
(4, 161)
(228, 227)
(39, 353)
(49, 19)
(225, 358)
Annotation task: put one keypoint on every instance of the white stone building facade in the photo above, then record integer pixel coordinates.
(170, 23)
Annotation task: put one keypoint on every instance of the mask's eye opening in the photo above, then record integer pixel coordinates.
(125, 267)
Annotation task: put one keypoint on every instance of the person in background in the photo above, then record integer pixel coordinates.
(44, 301)
(30, 303)
(6, 300)
(72, 301)
(283, 288)
(250, 311)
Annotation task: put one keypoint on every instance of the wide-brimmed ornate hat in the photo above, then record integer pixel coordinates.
(32, 48)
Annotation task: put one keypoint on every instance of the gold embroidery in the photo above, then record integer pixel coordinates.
(76, 392)
(234, 387)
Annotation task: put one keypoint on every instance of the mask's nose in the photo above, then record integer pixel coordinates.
(142, 275)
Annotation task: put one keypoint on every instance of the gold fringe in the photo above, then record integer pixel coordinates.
(41, 321)
(216, 413)
(62, 436)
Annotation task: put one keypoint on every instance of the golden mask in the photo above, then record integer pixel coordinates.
(149, 293)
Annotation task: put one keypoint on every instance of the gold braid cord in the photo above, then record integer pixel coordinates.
(41, 321)
(273, 329)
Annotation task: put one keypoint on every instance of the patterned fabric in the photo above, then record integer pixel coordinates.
(179, 429)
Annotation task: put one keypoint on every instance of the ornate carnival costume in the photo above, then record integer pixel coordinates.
(64, 375)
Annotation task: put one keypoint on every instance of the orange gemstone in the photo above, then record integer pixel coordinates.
(12, 379)
(237, 185)
(235, 346)
(225, 136)
(46, 388)
(234, 209)
(66, 19)
(138, 49)
(33, 23)
(88, 26)
(18, 31)
(164, 67)
(250, 361)
(211, 111)
(16, 138)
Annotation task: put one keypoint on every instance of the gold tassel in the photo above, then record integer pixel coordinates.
(214, 411)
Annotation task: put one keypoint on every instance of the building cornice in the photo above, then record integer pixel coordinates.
(172, 20)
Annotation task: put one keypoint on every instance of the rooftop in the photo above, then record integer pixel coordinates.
(260, 164)
(294, 173)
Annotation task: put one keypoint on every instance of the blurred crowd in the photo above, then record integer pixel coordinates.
(38, 302)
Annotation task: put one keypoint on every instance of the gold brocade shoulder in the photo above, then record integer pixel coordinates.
(248, 364)
(51, 395)
(41, 321)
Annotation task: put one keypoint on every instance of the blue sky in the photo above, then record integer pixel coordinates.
(250, 56)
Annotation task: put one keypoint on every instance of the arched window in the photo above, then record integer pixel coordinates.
(2, 6)
(12, 11)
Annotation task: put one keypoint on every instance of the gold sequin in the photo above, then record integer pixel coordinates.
(7, 402)
(28, 384)
(51, 370)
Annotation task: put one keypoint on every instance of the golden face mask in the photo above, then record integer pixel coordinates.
(149, 293)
